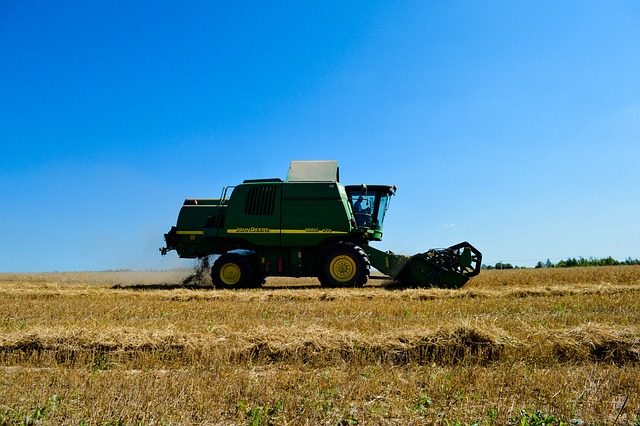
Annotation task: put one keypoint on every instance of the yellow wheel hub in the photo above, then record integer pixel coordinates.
(230, 273)
(342, 268)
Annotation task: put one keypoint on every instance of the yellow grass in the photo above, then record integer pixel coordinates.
(140, 348)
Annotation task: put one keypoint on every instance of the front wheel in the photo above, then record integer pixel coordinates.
(232, 271)
(343, 264)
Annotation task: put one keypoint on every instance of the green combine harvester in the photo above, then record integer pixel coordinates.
(309, 225)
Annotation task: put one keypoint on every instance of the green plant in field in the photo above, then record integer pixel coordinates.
(561, 309)
(265, 315)
(344, 415)
(18, 416)
(378, 410)
(259, 415)
(493, 415)
(421, 404)
(459, 423)
(102, 363)
(490, 420)
(536, 418)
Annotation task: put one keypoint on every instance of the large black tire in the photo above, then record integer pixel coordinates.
(232, 271)
(343, 264)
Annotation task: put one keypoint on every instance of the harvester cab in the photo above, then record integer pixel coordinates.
(369, 205)
(309, 225)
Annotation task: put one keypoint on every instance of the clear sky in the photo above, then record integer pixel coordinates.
(514, 125)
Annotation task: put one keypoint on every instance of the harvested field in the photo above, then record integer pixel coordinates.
(140, 348)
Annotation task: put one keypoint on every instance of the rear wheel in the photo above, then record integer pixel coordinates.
(343, 264)
(232, 271)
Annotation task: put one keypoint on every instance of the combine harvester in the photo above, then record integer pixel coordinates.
(310, 225)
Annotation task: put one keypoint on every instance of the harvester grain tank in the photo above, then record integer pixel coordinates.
(309, 225)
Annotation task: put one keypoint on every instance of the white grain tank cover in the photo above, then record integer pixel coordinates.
(314, 171)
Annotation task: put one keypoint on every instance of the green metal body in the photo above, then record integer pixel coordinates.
(288, 227)
(286, 224)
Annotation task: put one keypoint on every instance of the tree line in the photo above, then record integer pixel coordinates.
(592, 261)
(570, 262)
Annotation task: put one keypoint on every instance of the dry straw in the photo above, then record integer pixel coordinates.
(144, 348)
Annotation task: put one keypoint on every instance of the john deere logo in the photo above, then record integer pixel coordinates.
(251, 230)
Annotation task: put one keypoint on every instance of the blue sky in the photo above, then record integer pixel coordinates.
(512, 125)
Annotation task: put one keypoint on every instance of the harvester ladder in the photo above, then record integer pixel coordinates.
(222, 201)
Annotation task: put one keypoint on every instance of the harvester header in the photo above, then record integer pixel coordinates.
(309, 225)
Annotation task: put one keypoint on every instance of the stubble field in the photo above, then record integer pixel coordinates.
(511, 347)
